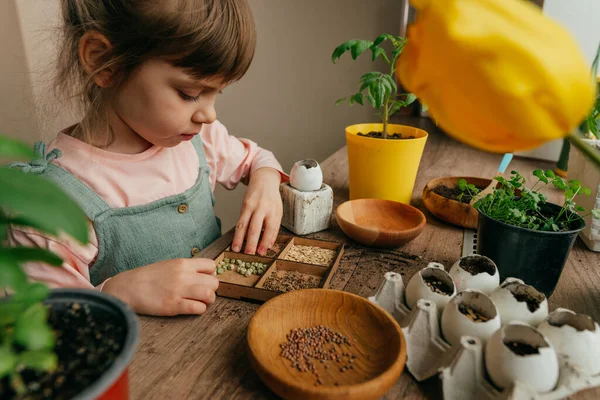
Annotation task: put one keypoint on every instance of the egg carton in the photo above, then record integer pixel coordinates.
(461, 368)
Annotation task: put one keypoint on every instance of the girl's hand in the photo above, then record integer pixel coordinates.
(171, 287)
(262, 208)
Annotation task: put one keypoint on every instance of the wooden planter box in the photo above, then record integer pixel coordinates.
(589, 176)
(237, 286)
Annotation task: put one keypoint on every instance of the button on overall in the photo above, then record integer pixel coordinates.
(182, 209)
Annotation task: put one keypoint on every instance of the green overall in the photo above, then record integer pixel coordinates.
(178, 226)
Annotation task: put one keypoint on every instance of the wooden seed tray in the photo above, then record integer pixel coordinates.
(251, 288)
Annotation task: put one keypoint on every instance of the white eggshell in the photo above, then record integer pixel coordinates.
(575, 336)
(540, 369)
(475, 272)
(306, 175)
(418, 289)
(456, 324)
(532, 308)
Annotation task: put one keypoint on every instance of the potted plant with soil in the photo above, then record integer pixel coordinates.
(63, 343)
(527, 237)
(383, 158)
(581, 169)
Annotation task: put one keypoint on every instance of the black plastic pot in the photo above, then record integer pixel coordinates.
(536, 257)
(114, 382)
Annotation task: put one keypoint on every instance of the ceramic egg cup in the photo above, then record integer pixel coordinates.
(461, 367)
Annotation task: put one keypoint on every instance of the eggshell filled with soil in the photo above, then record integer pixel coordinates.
(520, 352)
(517, 301)
(306, 175)
(576, 337)
(469, 313)
(475, 272)
(431, 283)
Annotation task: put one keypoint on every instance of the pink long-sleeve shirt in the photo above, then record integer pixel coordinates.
(126, 180)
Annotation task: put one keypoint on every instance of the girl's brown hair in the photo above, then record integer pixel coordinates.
(208, 38)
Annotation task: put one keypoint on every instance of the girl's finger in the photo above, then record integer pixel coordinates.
(240, 231)
(253, 234)
(210, 281)
(269, 235)
(189, 306)
(203, 265)
(200, 292)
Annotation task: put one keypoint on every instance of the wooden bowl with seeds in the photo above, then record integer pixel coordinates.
(380, 223)
(325, 344)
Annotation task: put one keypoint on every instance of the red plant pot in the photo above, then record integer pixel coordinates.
(113, 384)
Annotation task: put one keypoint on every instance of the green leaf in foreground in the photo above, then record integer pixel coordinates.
(42, 202)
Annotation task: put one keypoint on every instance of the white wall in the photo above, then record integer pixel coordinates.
(582, 19)
(285, 102)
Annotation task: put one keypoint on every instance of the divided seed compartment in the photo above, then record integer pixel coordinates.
(280, 243)
(461, 367)
(252, 288)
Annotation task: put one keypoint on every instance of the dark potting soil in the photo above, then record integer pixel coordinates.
(86, 346)
(532, 303)
(379, 135)
(521, 349)
(475, 265)
(437, 286)
(453, 193)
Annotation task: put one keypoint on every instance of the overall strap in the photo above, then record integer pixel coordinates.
(88, 200)
(92, 204)
(200, 151)
(204, 167)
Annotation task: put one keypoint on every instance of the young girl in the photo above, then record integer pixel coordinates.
(144, 161)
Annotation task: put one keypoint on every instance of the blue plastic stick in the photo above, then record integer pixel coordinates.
(505, 161)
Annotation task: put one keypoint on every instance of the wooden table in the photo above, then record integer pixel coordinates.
(205, 357)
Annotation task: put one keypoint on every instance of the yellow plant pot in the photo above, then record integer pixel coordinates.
(384, 169)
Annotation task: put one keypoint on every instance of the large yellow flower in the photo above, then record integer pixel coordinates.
(496, 74)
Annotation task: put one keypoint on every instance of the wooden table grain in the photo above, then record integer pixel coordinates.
(204, 357)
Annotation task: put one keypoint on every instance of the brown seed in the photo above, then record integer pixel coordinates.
(286, 281)
(304, 345)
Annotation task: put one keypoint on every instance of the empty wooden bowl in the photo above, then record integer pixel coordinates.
(452, 211)
(380, 223)
(376, 340)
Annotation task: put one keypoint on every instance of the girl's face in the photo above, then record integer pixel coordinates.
(164, 105)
